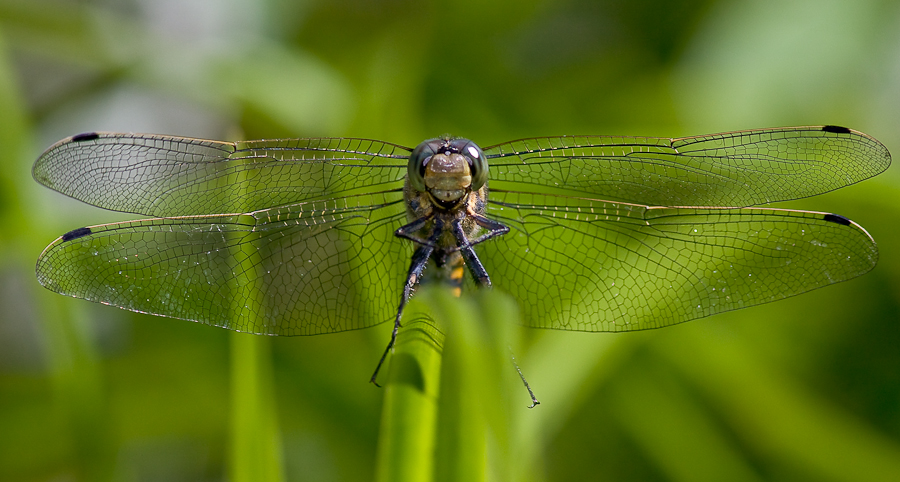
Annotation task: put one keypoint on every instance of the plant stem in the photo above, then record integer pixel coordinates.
(255, 439)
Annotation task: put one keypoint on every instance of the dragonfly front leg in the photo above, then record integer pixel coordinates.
(494, 228)
(409, 231)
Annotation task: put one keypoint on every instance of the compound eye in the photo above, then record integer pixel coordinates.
(477, 163)
(415, 169)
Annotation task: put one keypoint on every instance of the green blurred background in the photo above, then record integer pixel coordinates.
(803, 389)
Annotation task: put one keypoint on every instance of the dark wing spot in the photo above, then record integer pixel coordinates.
(87, 136)
(837, 218)
(836, 129)
(76, 233)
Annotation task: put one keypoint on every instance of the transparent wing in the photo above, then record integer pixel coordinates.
(168, 176)
(588, 265)
(303, 269)
(744, 168)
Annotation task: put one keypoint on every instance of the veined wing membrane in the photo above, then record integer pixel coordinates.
(304, 269)
(743, 168)
(589, 265)
(168, 176)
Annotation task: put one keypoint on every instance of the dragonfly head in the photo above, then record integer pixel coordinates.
(447, 169)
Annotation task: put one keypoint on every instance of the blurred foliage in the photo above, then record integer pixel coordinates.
(804, 389)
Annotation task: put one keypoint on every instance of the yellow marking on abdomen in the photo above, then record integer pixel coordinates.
(456, 278)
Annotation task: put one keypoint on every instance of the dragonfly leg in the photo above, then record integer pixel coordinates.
(416, 267)
(534, 401)
(409, 231)
(465, 248)
(495, 228)
(419, 259)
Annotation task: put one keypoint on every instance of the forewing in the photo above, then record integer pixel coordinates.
(736, 169)
(166, 176)
(588, 265)
(303, 269)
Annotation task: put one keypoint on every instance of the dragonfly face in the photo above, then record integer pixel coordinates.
(299, 236)
(447, 169)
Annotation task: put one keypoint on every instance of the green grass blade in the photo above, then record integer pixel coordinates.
(481, 389)
(409, 414)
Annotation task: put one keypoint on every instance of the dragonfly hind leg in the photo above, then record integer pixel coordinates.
(419, 259)
(534, 400)
(416, 268)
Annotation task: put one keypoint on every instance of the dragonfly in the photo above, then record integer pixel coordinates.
(588, 233)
